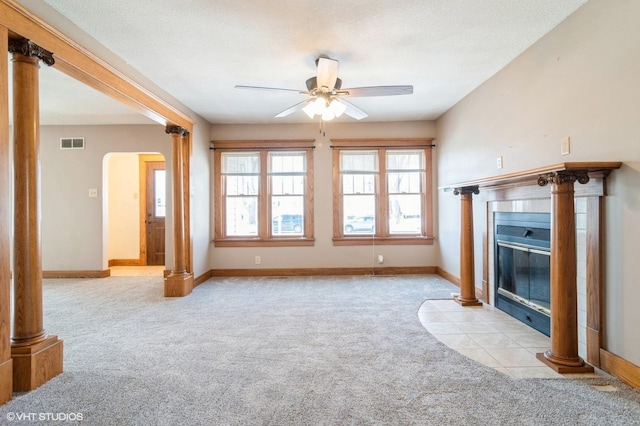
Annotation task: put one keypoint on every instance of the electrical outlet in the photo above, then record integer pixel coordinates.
(499, 162)
(258, 260)
(93, 193)
(565, 146)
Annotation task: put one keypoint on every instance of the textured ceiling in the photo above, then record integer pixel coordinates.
(198, 50)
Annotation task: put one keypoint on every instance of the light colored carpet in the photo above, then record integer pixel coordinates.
(286, 351)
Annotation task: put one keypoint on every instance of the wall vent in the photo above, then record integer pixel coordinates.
(71, 143)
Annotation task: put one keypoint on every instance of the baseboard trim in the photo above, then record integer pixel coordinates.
(276, 272)
(620, 368)
(202, 278)
(480, 293)
(76, 274)
(448, 276)
(126, 262)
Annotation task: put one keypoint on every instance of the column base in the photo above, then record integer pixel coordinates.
(467, 302)
(37, 364)
(178, 285)
(6, 381)
(577, 366)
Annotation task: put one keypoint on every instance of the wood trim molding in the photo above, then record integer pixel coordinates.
(263, 144)
(383, 142)
(301, 272)
(82, 65)
(126, 262)
(621, 368)
(6, 362)
(593, 168)
(76, 274)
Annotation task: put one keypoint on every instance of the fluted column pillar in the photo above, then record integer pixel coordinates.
(6, 363)
(467, 295)
(563, 356)
(179, 282)
(37, 356)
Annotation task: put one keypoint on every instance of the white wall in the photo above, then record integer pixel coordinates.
(323, 254)
(123, 202)
(581, 80)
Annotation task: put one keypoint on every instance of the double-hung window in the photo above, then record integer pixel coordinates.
(263, 193)
(382, 191)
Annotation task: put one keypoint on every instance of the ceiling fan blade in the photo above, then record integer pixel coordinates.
(294, 108)
(377, 91)
(238, 86)
(352, 110)
(327, 73)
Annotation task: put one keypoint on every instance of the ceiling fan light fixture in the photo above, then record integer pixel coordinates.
(310, 109)
(328, 115)
(337, 107)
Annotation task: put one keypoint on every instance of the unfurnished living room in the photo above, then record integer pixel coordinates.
(246, 212)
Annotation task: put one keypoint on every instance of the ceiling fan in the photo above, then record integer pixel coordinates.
(326, 96)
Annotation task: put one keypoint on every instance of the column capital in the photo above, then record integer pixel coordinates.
(474, 189)
(28, 48)
(171, 129)
(565, 176)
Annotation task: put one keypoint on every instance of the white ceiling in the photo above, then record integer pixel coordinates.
(198, 50)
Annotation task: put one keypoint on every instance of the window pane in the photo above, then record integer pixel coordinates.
(403, 183)
(240, 162)
(287, 185)
(287, 162)
(359, 214)
(241, 216)
(242, 185)
(160, 192)
(358, 184)
(405, 160)
(405, 214)
(359, 161)
(287, 214)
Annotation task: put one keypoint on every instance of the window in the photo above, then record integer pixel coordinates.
(263, 193)
(382, 191)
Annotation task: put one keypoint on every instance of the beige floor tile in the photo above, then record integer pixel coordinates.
(442, 328)
(476, 327)
(480, 355)
(447, 306)
(493, 340)
(533, 373)
(433, 317)
(510, 326)
(427, 306)
(504, 371)
(530, 339)
(514, 357)
(467, 316)
(457, 341)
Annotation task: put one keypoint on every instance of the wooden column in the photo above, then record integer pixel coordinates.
(37, 356)
(563, 356)
(179, 282)
(6, 363)
(467, 270)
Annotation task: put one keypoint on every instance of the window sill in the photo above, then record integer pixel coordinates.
(275, 242)
(382, 241)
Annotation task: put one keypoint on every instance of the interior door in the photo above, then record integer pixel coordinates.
(156, 211)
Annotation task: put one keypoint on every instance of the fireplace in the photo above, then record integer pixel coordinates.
(522, 276)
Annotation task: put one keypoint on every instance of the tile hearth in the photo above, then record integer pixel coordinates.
(490, 337)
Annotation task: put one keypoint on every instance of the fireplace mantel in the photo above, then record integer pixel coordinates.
(525, 177)
(559, 179)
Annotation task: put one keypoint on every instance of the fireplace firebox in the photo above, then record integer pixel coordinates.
(522, 260)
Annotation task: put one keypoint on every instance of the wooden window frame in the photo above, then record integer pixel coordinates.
(382, 235)
(264, 238)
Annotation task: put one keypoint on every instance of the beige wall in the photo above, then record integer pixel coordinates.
(323, 254)
(74, 231)
(123, 203)
(581, 81)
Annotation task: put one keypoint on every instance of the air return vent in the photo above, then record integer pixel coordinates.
(71, 143)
